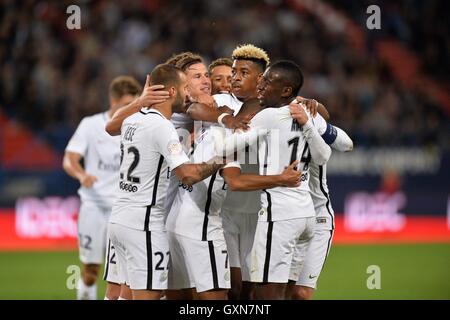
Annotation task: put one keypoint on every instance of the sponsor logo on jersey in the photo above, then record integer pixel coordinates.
(127, 187)
(174, 147)
(185, 187)
(113, 167)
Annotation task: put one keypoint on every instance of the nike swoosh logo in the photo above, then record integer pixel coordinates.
(311, 277)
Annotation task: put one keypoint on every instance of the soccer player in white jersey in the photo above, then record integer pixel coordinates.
(149, 146)
(220, 74)
(287, 217)
(308, 262)
(199, 253)
(240, 209)
(98, 179)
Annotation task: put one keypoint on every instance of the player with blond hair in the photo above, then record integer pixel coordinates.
(240, 209)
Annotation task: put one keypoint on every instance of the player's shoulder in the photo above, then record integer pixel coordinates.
(272, 117)
(94, 119)
(222, 97)
(268, 112)
(149, 117)
(226, 99)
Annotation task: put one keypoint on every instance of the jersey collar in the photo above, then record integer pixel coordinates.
(150, 110)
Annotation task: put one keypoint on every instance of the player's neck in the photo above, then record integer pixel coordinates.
(164, 108)
(244, 100)
(282, 102)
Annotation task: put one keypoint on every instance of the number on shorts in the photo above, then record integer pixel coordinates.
(226, 258)
(85, 241)
(112, 260)
(161, 259)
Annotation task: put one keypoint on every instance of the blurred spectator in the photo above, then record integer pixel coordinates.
(50, 77)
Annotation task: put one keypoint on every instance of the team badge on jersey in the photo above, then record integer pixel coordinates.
(174, 147)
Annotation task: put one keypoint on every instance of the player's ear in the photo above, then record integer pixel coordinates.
(259, 77)
(172, 92)
(286, 92)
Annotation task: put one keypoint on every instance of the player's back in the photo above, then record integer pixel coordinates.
(147, 140)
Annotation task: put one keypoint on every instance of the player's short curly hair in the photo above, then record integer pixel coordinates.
(252, 53)
(185, 59)
(220, 62)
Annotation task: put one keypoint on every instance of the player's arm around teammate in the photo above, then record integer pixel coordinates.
(238, 181)
(191, 173)
(151, 95)
(222, 115)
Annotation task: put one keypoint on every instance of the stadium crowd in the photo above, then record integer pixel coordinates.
(50, 76)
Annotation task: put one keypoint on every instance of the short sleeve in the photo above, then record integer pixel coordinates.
(233, 164)
(80, 139)
(222, 99)
(169, 145)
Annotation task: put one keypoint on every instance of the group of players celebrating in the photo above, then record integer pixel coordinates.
(207, 183)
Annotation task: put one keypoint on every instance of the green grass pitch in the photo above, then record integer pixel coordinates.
(410, 271)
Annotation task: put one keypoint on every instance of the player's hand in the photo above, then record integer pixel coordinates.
(298, 113)
(206, 99)
(225, 109)
(236, 123)
(312, 105)
(152, 95)
(290, 177)
(87, 180)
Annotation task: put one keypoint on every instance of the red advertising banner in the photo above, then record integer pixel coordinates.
(51, 223)
(40, 224)
(415, 230)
